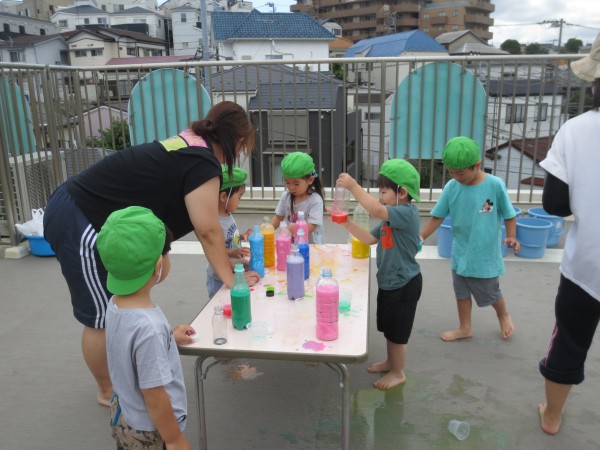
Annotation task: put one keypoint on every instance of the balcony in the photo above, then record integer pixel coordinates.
(479, 19)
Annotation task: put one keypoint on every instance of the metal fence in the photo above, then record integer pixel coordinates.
(349, 114)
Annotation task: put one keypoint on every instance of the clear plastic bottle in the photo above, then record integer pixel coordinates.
(339, 208)
(300, 224)
(328, 298)
(219, 326)
(304, 249)
(295, 274)
(283, 244)
(241, 313)
(268, 232)
(361, 218)
(257, 251)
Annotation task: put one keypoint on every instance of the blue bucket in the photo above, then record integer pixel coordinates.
(39, 246)
(444, 236)
(532, 234)
(558, 225)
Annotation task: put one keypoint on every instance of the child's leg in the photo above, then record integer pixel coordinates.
(551, 412)
(506, 326)
(464, 306)
(396, 357)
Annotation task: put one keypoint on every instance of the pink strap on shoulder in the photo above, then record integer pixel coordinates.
(192, 139)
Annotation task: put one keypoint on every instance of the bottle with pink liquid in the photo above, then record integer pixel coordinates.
(300, 224)
(328, 298)
(283, 244)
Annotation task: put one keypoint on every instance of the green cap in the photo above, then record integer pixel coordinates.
(461, 152)
(297, 165)
(237, 178)
(404, 175)
(130, 242)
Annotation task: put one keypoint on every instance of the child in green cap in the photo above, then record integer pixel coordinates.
(477, 203)
(149, 402)
(232, 190)
(303, 193)
(399, 277)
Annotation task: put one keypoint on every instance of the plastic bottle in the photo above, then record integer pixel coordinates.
(361, 218)
(328, 298)
(268, 232)
(295, 274)
(241, 314)
(257, 249)
(300, 224)
(339, 208)
(219, 326)
(304, 249)
(283, 243)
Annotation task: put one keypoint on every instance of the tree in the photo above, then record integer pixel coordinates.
(535, 49)
(511, 46)
(116, 136)
(572, 46)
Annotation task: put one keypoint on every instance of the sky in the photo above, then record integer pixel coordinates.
(521, 19)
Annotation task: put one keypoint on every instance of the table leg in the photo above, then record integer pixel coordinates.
(200, 375)
(345, 385)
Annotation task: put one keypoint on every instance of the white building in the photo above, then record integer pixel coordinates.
(49, 49)
(13, 23)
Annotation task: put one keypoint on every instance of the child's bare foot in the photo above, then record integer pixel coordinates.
(548, 425)
(104, 401)
(506, 326)
(389, 381)
(379, 367)
(455, 335)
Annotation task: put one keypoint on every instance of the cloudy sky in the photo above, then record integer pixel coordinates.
(521, 19)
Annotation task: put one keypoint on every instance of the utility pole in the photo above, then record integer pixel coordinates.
(557, 24)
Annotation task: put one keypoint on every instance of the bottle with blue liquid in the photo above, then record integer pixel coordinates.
(257, 249)
(304, 249)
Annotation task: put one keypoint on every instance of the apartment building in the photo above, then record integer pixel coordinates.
(362, 19)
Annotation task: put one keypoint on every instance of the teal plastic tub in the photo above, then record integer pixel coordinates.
(558, 225)
(532, 234)
(39, 246)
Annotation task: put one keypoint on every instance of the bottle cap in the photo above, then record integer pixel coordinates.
(239, 267)
(227, 310)
(326, 271)
(270, 291)
(300, 214)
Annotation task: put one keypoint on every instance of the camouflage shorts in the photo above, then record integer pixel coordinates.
(129, 439)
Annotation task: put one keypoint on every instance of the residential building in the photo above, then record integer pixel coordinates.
(408, 43)
(37, 9)
(27, 49)
(187, 30)
(260, 36)
(13, 24)
(136, 18)
(466, 42)
(442, 16)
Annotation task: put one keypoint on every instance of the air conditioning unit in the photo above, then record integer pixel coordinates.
(33, 179)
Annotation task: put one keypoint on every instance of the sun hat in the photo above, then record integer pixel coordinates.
(297, 165)
(130, 242)
(588, 67)
(461, 152)
(237, 178)
(404, 175)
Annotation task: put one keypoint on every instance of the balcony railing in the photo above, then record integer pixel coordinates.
(344, 112)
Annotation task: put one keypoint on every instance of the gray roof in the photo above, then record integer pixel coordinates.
(290, 96)
(104, 34)
(135, 9)
(471, 48)
(522, 87)
(83, 9)
(30, 40)
(451, 36)
(258, 25)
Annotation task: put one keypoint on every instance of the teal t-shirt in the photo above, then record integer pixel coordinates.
(477, 213)
(397, 264)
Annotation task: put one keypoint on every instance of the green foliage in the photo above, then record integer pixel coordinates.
(338, 71)
(535, 49)
(572, 46)
(511, 46)
(116, 136)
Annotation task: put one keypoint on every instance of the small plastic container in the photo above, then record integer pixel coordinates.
(339, 209)
(39, 246)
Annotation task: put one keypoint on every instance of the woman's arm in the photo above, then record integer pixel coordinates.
(555, 197)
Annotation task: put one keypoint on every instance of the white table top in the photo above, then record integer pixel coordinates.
(292, 324)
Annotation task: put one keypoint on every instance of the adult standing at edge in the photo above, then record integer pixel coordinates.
(178, 179)
(571, 187)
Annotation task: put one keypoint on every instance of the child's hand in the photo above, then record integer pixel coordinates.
(235, 261)
(346, 180)
(512, 242)
(252, 277)
(182, 334)
(241, 252)
(244, 236)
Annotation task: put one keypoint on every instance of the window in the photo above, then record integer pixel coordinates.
(22, 29)
(425, 16)
(185, 44)
(131, 51)
(372, 116)
(454, 13)
(542, 112)
(454, 27)
(515, 113)
(183, 18)
(442, 13)
(16, 56)
(103, 7)
(273, 56)
(86, 21)
(139, 20)
(6, 28)
(63, 24)
(97, 52)
(156, 52)
(102, 21)
(117, 8)
(80, 53)
(42, 32)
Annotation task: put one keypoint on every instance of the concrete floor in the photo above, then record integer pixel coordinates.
(48, 396)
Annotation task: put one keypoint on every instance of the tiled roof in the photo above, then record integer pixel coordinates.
(136, 10)
(30, 39)
(83, 9)
(290, 96)
(105, 33)
(258, 25)
(522, 87)
(536, 149)
(395, 45)
(472, 48)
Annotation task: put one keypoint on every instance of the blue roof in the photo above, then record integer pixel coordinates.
(258, 25)
(395, 45)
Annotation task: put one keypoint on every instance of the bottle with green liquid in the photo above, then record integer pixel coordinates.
(241, 314)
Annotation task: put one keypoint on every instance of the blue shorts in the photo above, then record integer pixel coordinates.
(73, 239)
(485, 291)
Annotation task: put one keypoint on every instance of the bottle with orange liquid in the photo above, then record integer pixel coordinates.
(268, 232)
(361, 218)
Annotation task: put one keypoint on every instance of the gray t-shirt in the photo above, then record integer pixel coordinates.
(313, 213)
(232, 239)
(142, 354)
